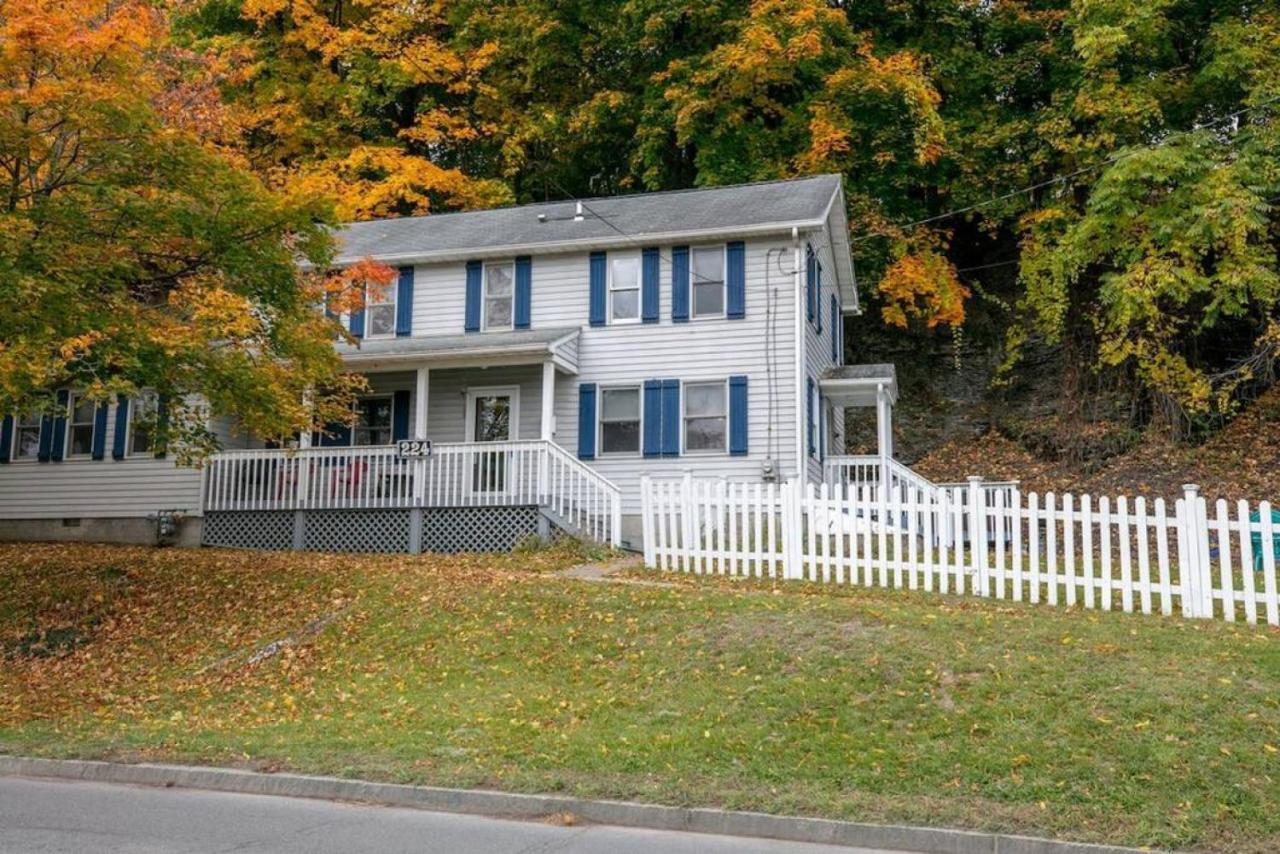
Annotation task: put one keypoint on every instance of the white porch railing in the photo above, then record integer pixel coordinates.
(490, 474)
(860, 474)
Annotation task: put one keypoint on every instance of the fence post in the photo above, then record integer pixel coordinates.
(793, 530)
(688, 560)
(978, 532)
(1195, 532)
(646, 520)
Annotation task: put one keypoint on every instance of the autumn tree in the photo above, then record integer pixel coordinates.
(131, 255)
(366, 103)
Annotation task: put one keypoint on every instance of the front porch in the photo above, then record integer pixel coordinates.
(486, 483)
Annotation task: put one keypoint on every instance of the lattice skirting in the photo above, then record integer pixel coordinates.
(256, 529)
(476, 529)
(443, 529)
(356, 531)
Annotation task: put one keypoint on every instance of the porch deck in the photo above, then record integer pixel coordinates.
(368, 485)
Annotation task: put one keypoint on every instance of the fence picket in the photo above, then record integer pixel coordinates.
(1247, 561)
(1224, 561)
(1126, 566)
(1069, 548)
(1144, 557)
(1270, 597)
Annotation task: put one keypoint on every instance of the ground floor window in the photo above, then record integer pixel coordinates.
(705, 417)
(143, 412)
(373, 421)
(80, 427)
(620, 420)
(26, 438)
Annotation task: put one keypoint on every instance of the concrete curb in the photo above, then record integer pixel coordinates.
(510, 805)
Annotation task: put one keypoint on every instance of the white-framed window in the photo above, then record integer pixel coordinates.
(708, 265)
(624, 289)
(499, 290)
(373, 421)
(79, 426)
(26, 436)
(143, 412)
(620, 420)
(380, 311)
(706, 417)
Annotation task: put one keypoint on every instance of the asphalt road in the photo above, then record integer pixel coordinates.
(57, 816)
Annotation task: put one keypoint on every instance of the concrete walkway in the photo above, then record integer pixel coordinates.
(65, 816)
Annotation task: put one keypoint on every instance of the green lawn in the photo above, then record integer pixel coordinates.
(486, 671)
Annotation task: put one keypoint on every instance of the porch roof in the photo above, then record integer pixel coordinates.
(511, 347)
(857, 385)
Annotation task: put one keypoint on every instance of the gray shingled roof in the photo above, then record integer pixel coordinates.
(745, 208)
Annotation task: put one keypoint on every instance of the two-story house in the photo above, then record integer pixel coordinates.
(548, 356)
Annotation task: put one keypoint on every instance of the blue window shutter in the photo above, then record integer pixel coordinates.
(524, 292)
(6, 438)
(404, 303)
(652, 418)
(400, 415)
(738, 415)
(587, 421)
(736, 280)
(46, 438)
(598, 283)
(810, 278)
(817, 300)
(162, 423)
(671, 418)
(835, 330)
(809, 426)
(680, 283)
(118, 448)
(59, 441)
(472, 321)
(357, 323)
(649, 285)
(98, 449)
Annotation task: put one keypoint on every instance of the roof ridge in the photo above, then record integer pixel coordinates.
(589, 199)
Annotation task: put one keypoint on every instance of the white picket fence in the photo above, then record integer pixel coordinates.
(1130, 555)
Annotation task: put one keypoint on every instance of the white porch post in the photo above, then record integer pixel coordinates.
(304, 436)
(548, 399)
(548, 426)
(884, 433)
(421, 399)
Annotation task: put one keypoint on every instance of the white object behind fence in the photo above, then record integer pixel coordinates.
(1130, 555)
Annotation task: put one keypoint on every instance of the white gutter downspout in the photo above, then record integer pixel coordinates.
(802, 402)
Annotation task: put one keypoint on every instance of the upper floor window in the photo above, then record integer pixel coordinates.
(26, 436)
(380, 309)
(80, 427)
(373, 421)
(498, 290)
(620, 420)
(143, 412)
(708, 281)
(705, 417)
(624, 288)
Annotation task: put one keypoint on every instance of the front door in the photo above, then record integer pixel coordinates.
(492, 416)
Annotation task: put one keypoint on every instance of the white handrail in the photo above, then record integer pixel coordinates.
(467, 474)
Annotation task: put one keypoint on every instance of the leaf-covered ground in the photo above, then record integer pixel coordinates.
(489, 671)
(1240, 461)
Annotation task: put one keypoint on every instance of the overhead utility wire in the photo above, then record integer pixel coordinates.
(1058, 179)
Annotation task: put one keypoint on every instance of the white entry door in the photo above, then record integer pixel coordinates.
(493, 415)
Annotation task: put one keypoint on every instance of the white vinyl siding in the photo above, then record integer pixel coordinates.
(82, 487)
(828, 431)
